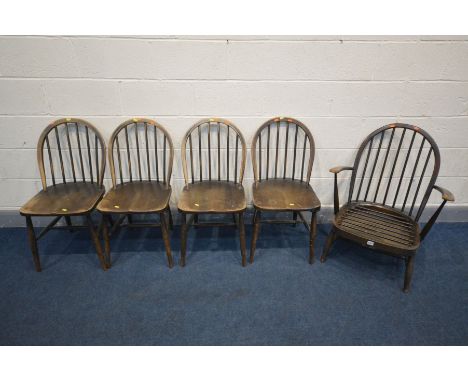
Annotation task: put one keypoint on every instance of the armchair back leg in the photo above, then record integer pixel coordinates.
(33, 243)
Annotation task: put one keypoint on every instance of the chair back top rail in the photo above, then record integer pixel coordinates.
(140, 149)
(71, 150)
(396, 166)
(283, 148)
(213, 149)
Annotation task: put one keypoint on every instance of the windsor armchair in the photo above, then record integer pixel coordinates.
(140, 158)
(216, 152)
(71, 175)
(283, 186)
(394, 173)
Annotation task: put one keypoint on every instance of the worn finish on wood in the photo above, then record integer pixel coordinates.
(283, 186)
(141, 172)
(213, 161)
(71, 156)
(393, 175)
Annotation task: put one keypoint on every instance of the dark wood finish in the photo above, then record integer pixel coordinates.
(283, 186)
(213, 161)
(141, 170)
(393, 175)
(71, 156)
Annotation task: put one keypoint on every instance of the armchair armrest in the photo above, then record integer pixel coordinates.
(447, 196)
(336, 198)
(338, 169)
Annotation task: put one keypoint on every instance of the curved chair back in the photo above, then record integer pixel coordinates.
(140, 149)
(396, 166)
(71, 150)
(214, 150)
(283, 148)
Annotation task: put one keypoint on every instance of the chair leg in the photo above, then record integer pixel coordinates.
(106, 219)
(33, 243)
(313, 234)
(69, 223)
(234, 219)
(195, 220)
(408, 273)
(183, 240)
(295, 218)
(96, 241)
(330, 239)
(171, 222)
(256, 228)
(130, 219)
(242, 238)
(165, 235)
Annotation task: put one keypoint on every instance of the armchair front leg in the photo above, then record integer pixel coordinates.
(447, 196)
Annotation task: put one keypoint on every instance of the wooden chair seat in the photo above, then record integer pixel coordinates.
(378, 227)
(212, 197)
(64, 199)
(284, 195)
(136, 197)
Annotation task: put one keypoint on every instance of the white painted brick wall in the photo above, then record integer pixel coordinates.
(342, 88)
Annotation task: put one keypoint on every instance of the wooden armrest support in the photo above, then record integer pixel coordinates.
(338, 169)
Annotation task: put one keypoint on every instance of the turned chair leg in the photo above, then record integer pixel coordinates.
(295, 218)
(408, 273)
(165, 235)
(33, 243)
(97, 244)
(330, 239)
(195, 220)
(256, 229)
(69, 223)
(234, 219)
(242, 238)
(106, 222)
(183, 240)
(313, 234)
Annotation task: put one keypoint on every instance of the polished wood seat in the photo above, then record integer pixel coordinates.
(283, 152)
(141, 155)
(71, 155)
(212, 197)
(378, 227)
(284, 195)
(213, 160)
(64, 199)
(393, 176)
(136, 197)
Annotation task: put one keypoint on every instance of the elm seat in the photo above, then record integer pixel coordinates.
(64, 199)
(212, 197)
(136, 197)
(378, 227)
(284, 195)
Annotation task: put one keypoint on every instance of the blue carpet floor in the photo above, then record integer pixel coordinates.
(354, 298)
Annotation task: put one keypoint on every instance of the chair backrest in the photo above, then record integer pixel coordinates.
(282, 148)
(396, 166)
(213, 149)
(140, 149)
(71, 150)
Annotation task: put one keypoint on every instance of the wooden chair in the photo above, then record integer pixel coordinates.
(71, 175)
(140, 156)
(282, 149)
(394, 173)
(216, 152)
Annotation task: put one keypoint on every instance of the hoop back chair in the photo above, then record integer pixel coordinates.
(213, 162)
(71, 156)
(141, 155)
(283, 152)
(394, 173)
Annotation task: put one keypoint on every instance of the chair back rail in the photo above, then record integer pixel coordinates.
(283, 148)
(213, 149)
(396, 166)
(71, 150)
(140, 149)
